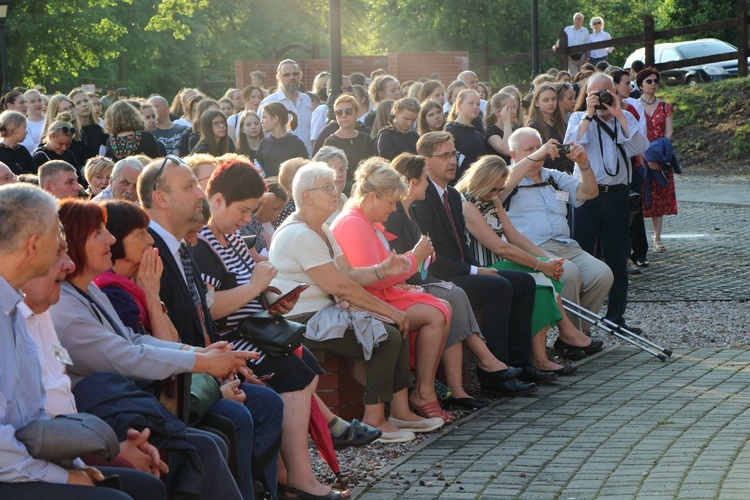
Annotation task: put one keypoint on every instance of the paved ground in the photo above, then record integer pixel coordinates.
(628, 426)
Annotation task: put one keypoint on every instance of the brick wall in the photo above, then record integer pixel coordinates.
(402, 65)
(338, 388)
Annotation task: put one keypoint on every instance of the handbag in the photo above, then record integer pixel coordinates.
(66, 437)
(276, 336)
(204, 393)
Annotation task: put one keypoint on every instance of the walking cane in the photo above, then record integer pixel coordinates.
(616, 330)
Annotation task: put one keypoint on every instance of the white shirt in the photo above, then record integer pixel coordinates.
(33, 134)
(303, 109)
(641, 113)
(599, 37)
(171, 242)
(318, 121)
(59, 399)
(577, 37)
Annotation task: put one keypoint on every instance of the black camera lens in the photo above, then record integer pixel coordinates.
(563, 149)
(605, 97)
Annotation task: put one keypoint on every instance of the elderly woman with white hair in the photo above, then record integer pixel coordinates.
(598, 35)
(304, 251)
(336, 159)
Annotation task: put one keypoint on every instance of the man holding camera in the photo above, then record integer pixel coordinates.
(610, 136)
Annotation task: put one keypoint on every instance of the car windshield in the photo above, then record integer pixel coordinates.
(705, 48)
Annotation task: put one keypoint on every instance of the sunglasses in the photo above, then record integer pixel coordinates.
(446, 156)
(652, 81)
(597, 22)
(167, 158)
(287, 75)
(347, 112)
(65, 130)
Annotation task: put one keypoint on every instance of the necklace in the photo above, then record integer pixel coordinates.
(649, 103)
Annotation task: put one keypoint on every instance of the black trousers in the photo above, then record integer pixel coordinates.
(506, 301)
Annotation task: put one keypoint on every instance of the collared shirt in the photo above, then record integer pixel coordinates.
(171, 242)
(538, 214)
(599, 37)
(303, 109)
(440, 192)
(106, 194)
(577, 36)
(602, 151)
(59, 399)
(21, 395)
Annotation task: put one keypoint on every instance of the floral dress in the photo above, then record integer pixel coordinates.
(663, 198)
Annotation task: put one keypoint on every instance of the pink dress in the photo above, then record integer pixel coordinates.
(365, 245)
(663, 198)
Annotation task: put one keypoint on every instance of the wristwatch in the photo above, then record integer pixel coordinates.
(588, 118)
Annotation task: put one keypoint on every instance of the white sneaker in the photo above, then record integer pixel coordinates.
(424, 425)
(400, 436)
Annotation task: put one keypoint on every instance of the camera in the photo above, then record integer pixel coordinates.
(605, 97)
(563, 149)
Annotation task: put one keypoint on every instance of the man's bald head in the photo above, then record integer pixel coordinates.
(469, 78)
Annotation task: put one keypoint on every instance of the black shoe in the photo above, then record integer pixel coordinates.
(531, 374)
(641, 263)
(469, 404)
(507, 374)
(634, 329)
(564, 371)
(507, 388)
(576, 353)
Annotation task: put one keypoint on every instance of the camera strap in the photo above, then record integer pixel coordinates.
(612, 135)
(549, 182)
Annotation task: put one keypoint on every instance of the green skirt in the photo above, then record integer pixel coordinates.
(546, 312)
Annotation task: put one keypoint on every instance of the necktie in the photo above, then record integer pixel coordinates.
(459, 241)
(187, 266)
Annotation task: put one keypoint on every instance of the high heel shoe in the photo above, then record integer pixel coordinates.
(575, 352)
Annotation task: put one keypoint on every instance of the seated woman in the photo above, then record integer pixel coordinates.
(97, 173)
(404, 234)
(358, 231)
(132, 285)
(225, 264)
(270, 206)
(488, 224)
(336, 159)
(324, 267)
(96, 339)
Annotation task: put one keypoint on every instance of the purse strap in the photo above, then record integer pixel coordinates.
(262, 297)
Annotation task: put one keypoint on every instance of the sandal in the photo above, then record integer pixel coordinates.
(432, 410)
(659, 246)
(358, 434)
(442, 391)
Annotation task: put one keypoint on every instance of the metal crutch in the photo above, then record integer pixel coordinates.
(615, 329)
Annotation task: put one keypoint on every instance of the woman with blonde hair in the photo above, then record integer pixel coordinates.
(356, 145)
(513, 90)
(34, 119)
(58, 104)
(129, 136)
(496, 243)
(97, 173)
(56, 144)
(93, 136)
(400, 137)
(12, 133)
(500, 120)
(383, 88)
(469, 141)
(383, 116)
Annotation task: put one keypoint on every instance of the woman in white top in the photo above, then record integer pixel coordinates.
(598, 35)
(34, 119)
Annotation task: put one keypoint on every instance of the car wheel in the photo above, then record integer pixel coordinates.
(692, 81)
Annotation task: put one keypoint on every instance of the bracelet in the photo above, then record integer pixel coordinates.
(377, 274)
(588, 167)
(588, 118)
(537, 265)
(533, 159)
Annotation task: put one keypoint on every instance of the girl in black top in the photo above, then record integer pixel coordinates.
(357, 146)
(544, 115)
(499, 121)
(214, 138)
(400, 137)
(382, 88)
(56, 144)
(59, 104)
(12, 134)
(281, 145)
(431, 117)
(250, 134)
(94, 137)
(469, 141)
(129, 137)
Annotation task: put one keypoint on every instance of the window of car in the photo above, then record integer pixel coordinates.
(669, 55)
(705, 48)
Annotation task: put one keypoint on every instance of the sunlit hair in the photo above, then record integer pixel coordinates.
(80, 219)
(278, 110)
(123, 117)
(88, 119)
(375, 175)
(428, 88)
(383, 114)
(463, 95)
(480, 178)
(427, 106)
(377, 87)
(10, 121)
(52, 112)
(288, 169)
(497, 101)
(307, 176)
(236, 181)
(429, 142)
(458, 84)
(25, 210)
(61, 125)
(535, 113)
(97, 165)
(409, 166)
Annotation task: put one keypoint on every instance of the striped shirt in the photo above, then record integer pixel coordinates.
(482, 254)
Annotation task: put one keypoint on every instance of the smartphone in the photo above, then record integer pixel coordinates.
(112, 482)
(291, 296)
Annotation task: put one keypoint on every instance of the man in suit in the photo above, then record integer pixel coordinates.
(169, 192)
(506, 298)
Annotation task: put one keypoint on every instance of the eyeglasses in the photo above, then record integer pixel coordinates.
(597, 22)
(347, 90)
(446, 156)
(294, 74)
(8, 178)
(330, 189)
(65, 130)
(220, 123)
(347, 112)
(167, 158)
(652, 81)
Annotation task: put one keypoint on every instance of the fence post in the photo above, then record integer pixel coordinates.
(742, 38)
(648, 39)
(562, 49)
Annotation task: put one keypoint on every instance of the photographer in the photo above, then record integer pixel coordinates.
(610, 137)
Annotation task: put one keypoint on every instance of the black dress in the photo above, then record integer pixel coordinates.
(356, 149)
(494, 130)
(18, 159)
(94, 137)
(469, 142)
(332, 127)
(272, 152)
(392, 143)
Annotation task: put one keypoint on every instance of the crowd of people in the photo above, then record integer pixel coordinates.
(137, 236)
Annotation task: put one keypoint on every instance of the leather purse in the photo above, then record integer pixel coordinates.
(276, 336)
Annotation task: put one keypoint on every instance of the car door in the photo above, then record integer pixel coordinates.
(671, 76)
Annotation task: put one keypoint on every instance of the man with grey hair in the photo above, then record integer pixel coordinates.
(577, 35)
(288, 78)
(6, 175)
(123, 181)
(538, 208)
(610, 136)
(167, 132)
(60, 179)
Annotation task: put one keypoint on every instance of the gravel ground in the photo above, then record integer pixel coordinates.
(672, 325)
